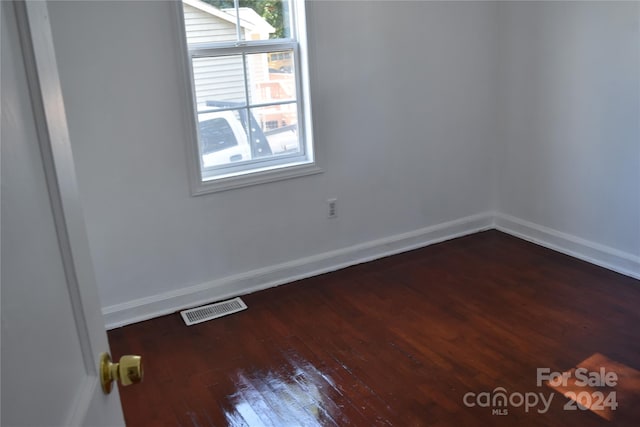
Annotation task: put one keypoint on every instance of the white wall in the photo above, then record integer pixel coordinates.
(404, 111)
(569, 126)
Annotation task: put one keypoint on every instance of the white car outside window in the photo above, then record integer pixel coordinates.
(223, 139)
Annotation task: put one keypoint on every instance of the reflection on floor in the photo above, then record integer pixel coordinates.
(608, 388)
(284, 398)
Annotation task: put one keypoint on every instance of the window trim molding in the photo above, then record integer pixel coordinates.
(271, 172)
(255, 177)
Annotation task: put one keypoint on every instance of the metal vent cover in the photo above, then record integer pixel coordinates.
(212, 311)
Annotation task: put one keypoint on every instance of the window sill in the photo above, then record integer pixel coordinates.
(229, 182)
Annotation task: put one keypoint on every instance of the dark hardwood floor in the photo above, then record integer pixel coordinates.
(402, 341)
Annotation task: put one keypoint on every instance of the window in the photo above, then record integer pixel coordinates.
(249, 92)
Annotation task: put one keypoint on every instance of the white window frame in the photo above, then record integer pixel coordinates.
(268, 170)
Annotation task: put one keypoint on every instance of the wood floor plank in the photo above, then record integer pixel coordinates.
(399, 341)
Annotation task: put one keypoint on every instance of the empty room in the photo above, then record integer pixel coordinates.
(320, 213)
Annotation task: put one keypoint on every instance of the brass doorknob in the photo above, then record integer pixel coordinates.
(128, 371)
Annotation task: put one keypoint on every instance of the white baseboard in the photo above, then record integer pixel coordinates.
(263, 278)
(594, 253)
(255, 280)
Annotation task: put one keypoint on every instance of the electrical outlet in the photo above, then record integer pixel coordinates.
(331, 208)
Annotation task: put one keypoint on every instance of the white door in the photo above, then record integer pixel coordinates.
(52, 326)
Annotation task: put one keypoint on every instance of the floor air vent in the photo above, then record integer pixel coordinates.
(212, 311)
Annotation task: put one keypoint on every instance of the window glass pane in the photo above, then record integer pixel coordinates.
(207, 22)
(269, 19)
(271, 77)
(219, 82)
(279, 125)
